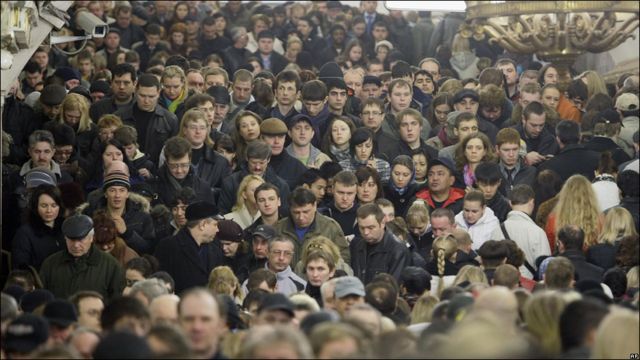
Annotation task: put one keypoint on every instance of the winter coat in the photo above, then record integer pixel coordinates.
(34, 242)
(287, 167)
(322, 225)
(584, 270)
(401, 203)
(571, 160)
(465, 64)
(212, 169)
(162, 126)
(230, 185)
(64, 275)
(544, 144)
(602, 144)
(140, 235)
(526, 233)
(520, 174)
(388, 256)
(166, 189)
(603, 255)
(453, 202)
(182, 258)
(500, 206)
(482, 230)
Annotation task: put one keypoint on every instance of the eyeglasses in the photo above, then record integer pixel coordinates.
(371, 113)
(280, 253)
(178, 166)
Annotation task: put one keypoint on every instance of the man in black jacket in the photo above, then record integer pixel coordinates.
(178, 173)
(573, 158)
(236, 54)
(570, 244)
(274, 132)
(154, 123)
(122, 86)
(257, 163)
(190, 255)
(269, 59)
(541, 144)
(375, 250)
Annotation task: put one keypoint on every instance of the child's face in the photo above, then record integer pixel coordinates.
(130, 150)
(488, 190)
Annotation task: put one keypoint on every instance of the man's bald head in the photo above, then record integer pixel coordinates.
(117, 166)
(500, 301)
(164, 309)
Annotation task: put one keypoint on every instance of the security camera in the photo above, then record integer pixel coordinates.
(91, 24)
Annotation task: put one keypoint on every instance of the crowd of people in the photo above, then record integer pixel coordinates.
(314, 180)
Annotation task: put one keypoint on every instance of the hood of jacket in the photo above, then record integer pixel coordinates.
(463, 59)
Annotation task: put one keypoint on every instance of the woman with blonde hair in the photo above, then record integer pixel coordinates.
(470, 274)
(245, 211)
(75, 113)
(542, 317)
(577, 205)
(325, 244)
(222, 281)
(443, 266)
(617, 335)
(595, 83)
(618, 223)
(423, 309)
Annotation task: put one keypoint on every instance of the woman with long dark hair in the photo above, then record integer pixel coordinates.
(41, 235)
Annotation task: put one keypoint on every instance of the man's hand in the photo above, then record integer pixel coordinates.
(534, 158)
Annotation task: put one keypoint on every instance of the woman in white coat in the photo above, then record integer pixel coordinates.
(476, 218)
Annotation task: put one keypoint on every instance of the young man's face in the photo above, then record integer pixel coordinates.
(242, 91)
(466, 128)
(509, 72)
(508, 153)
(286, 93)
(301, 133)
(491, 113)
(179, 167)
(534, 125)
(147, 98)
(268, 202)
(344, 196)
(467, 105)
(337, 99)
(527, 98)
(400, 98)
(318, 272)
(489, 190)
(314, 107)
(409, 129)
(375, 69)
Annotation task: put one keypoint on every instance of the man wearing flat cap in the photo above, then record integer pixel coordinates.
(81, 266)
(190, 255)
(274, 132)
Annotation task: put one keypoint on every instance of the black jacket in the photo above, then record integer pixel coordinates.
(104, 106)
(18, 120)
(602, 144)
(146, 53)
(402, 148)
(524, 174)
(188, 263)
(163, 186)
(213, 168)
(33, 243)
(387, 256)
(632, 203)
(584, 270)
(500, 206)
(287, 167)
(544, 144)
(573, 159)
(230, 188)
(162, 126)
(234, 58)
(603, 255)
(402, 202)
(140, 235)
(278, 62)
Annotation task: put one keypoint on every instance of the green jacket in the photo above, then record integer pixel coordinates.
(321, 226)
(64, 275)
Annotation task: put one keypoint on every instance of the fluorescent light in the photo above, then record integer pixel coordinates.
(443, 6)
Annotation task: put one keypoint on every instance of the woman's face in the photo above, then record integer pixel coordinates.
(256, 67)
(72, 117)
(551, 76)
(250, 190)
(249, 128)
(110, 154)
(441, 111)
(355, 54)
(551, 97)
(401, 176)
(177, 38)
(367, 191)
(359, 29)
(196, 132)
(382, 52)
(132, 276)
(364, 150)
(220, 24)
(181, 11)
(340, 132)
(48, 209)
(120, 59)
(420, 165)
(474, 151)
